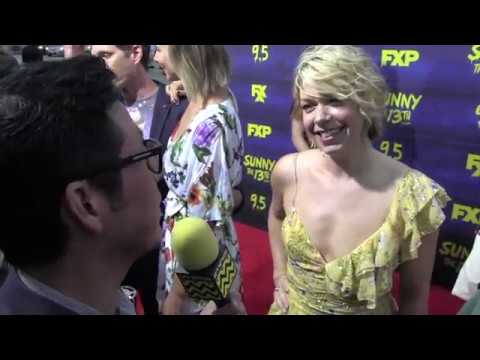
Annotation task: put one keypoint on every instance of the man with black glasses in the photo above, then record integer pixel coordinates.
(79, 186)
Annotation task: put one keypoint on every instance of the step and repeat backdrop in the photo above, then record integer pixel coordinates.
(433, 125)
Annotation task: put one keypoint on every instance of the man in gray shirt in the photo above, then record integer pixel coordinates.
(130, 65)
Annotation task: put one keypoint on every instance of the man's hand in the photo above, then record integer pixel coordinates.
(228, 309)
(175, 299)
(172, 304)
(175, 91)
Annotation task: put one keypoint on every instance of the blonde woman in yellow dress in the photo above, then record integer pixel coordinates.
(343, 215)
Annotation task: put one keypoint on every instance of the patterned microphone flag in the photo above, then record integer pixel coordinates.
(212, 283)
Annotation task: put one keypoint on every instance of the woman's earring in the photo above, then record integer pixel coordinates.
(313, 145)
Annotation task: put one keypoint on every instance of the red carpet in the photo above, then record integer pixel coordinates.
(258, 283)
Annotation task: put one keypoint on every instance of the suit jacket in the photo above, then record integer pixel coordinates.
(17, 299)
(166, 116)
(165, 119)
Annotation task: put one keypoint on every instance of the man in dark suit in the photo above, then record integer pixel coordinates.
(153, 112)
(71, 235)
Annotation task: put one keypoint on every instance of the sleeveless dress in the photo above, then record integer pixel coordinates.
(361, 282)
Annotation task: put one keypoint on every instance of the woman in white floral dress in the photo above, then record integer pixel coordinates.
(202, 164)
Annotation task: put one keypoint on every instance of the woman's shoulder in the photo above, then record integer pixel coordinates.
(415, 190)
(391, 168)
(286, 162)
(284, 169)
(418, 184)
(221, 115)
(421, 200)
(402, 172)
(214, 116)
(226, 107)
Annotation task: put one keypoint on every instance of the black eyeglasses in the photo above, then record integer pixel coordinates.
(152, 155)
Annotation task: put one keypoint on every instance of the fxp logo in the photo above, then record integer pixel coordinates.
(402, 58)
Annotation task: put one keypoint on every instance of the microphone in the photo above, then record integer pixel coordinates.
(208, 270)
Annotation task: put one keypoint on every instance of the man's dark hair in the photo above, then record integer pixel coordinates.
(31, 53)
(145, 61)
(8, 63)
(54, 126)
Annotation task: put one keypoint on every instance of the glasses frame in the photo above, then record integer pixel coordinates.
(154, 148)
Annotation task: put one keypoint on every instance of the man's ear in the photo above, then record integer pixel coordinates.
(137, 53)
(84, 205)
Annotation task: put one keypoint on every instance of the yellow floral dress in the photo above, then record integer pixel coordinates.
(361, 282)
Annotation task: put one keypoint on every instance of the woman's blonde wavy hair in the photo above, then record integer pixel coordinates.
(347, 73)
(203, 69)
